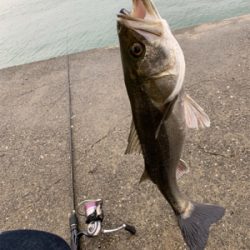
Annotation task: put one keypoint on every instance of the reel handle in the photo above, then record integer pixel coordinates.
(130, 229)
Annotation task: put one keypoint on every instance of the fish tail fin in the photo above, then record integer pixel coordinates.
(195, 226)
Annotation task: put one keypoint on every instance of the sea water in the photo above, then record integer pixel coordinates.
(32, 30)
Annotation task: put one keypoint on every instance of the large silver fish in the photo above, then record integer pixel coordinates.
(154, 69)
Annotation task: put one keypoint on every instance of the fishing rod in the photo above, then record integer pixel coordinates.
(74, 241)
(92, 210)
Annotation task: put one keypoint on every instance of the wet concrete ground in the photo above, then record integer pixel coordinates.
(34, 151)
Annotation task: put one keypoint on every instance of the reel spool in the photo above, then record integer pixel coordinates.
(94, 216)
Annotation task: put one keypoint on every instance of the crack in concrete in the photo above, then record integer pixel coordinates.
(32, 90)
(215, 153)
(91, 146)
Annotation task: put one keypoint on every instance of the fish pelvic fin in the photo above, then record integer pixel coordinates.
(195, 224)
(195, 115)
(144, 176)
(182, 169)
(134, 145)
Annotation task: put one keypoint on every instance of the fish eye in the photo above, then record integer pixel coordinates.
(136, 49)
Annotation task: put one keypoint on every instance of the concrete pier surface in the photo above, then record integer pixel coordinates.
(34, 151)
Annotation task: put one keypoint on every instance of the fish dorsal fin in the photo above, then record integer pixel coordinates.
(181, 170)
(195, 115)
(134, 145)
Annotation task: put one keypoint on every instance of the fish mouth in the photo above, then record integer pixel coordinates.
(141, 10)
(144, 17)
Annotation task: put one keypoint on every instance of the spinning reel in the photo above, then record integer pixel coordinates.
(93, 212)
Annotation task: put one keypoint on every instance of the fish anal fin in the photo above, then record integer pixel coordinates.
(181, 170)
(134, 145)
(195, 115)
(195, 224)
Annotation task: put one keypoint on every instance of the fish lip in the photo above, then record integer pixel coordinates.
(121, 16)
(124, 11)
(143, 19)
(125, 21)
(138, 24)
(150, 10)
(137, 30)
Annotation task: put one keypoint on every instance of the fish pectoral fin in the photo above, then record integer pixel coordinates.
(134, 145)
(167, 111)
(195, 115)
(181, 169)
